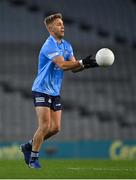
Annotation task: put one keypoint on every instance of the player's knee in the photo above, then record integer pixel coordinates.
(45, 128)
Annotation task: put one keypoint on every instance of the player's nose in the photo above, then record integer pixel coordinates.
(62, 26)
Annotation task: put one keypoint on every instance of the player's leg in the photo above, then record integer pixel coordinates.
(55, 123)
(44, 123)
(48, 110)
(49, 124)
(42, 103)
(56, 111)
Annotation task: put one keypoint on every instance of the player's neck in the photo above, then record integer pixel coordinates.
(58, 39)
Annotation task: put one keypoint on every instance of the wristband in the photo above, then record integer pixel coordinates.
(81, 63)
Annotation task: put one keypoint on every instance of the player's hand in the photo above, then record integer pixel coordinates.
(89, 62)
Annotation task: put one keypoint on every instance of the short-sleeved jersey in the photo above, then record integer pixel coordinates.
(49, 76)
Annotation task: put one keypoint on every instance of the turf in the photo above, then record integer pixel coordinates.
(65, 169)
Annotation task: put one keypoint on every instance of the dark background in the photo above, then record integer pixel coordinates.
(99, 104)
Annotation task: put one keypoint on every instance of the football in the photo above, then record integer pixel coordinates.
(105, 57)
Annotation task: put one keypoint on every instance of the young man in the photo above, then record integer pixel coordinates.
(56, 56)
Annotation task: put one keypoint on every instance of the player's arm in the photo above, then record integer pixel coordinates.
(67, 65)
(78, 69)
(75, 65)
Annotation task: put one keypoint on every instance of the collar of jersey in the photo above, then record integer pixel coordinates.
(62, 41)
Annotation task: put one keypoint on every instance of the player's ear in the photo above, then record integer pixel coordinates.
(50, 28)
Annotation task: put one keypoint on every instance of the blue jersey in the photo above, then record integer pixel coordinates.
(49, 77)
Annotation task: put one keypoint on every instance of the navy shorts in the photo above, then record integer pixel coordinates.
(41, 99)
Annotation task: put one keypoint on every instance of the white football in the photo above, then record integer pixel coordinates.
(104, 57)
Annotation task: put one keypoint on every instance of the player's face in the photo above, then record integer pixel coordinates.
(58, 28)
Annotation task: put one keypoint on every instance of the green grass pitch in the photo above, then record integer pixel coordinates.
(65, 169)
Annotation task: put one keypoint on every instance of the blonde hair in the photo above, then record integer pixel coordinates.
(49, 19)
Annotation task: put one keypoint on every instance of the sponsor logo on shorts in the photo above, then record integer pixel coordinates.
(49, 101)
(58, 104)
(39, 99)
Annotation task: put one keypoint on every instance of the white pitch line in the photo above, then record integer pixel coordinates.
(102, 169)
